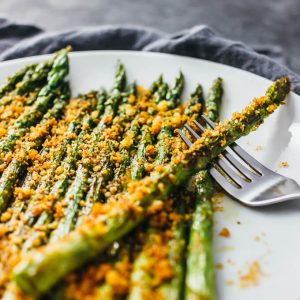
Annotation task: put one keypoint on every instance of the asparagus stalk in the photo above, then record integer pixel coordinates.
(140, 157)
(81, 125)
(126, 152)
(163, 153)
(42, 268)
(42, 186)
(74, 128)
(80, 185)
(108, 168)
(173, 288)
(116, 257)
(176, 245)
(34, 78)
(141, 278)
(213, 101)
(44, 100)
(195, 104)
(173, 99)
(127, 147)
(40, 74)
(140, 275)
(78, 191)
(193, 110)
(23, 95)
(161, 92)
(11, 82)
(60, 187)
(73, 197)
(134, 131)
(101, 103)
(28, 77)
(199, 274)
(143, 281)
(156, 84)
(173, 95)
(199, 281)
(138, 163)
(20, 206)
(46, 184)
(12, 173)
(111, 103)
(69, 164)
(122, 116)
(58, 155)
(54, 156)
(27, 81)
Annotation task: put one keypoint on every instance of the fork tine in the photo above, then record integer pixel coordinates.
(224, 183)
(237, 179)
(208, 121)
(184, 138)
(249, 160)
(192, 132)
(236, 164)
(239, 167)
(199, 125)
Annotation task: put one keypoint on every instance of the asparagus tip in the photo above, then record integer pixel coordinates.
(279, 89)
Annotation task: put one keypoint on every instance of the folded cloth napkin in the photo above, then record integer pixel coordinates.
(19, 40)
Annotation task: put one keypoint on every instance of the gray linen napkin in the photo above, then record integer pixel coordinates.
(19, 40)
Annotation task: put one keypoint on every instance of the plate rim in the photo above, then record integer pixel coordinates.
(75, 54)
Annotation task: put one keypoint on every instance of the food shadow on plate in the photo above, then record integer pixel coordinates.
(279, 133)
(288, 207)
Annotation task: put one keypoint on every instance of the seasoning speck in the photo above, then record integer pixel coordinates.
(258, 147)
(283, 164)
(224, 232)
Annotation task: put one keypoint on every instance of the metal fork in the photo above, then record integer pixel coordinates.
(251, 183)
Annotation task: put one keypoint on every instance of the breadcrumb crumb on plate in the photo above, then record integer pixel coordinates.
(252, 276)
(224, 232)
(283, 164)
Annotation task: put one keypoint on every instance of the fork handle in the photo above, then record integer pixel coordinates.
(275, 200)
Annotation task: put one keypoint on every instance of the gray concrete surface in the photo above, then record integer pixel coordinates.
(255, 22)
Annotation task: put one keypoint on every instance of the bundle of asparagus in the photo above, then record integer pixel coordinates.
(100, 199)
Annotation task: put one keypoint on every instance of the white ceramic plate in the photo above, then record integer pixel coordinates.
(266, 237)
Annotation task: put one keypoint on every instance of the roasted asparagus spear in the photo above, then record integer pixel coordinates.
(200, 284)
